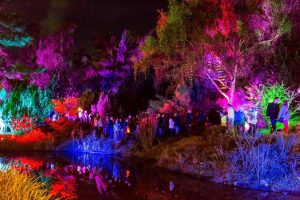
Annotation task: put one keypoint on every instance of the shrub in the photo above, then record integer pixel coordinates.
(90, 143)
(146, 133)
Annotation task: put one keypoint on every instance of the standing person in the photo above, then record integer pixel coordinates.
(160, 126)
(85, 117)
(165, 123)
(111, 127)
(230, 118)
(171, 126)
(240, 120)
(105, 126)
(117, 130)
(272, 113)
(131, 124)
(252, 120)
(201, 119)
(284, 116)
(100, 125)
(80, 115)
(188, 122)
(177, 123)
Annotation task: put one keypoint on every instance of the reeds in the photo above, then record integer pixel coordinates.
(20, 186)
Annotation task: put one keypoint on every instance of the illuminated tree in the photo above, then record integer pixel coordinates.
(53, 55)
(25, 105)
(115, 69)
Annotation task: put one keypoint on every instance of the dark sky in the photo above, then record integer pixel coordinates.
(91, 16)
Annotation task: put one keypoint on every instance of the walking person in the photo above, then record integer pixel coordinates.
(284, 116)
(272, 113)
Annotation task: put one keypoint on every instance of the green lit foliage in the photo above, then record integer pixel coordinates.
(171, 27)
(27, 101)
(269, 92)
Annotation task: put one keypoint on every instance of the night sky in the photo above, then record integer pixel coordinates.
(91, 16)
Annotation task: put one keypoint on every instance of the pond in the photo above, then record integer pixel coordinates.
(93, 176)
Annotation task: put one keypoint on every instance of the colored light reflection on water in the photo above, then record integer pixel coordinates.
(91, 176)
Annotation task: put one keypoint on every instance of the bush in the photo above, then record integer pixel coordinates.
(146, 133)
(90, 143)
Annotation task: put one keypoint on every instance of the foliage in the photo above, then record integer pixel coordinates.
(102, 106)
(21, 186)
(25, 106)
(28, 101)
(171, 27)
(66, 107)
(53, 50)
(117, 67)
(23, 124)
(86, 99)
(182, 99)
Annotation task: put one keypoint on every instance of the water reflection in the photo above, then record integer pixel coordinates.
(91, 176)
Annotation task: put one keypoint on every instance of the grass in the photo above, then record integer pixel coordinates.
(294, 122)
(264, 161)
(20, 186)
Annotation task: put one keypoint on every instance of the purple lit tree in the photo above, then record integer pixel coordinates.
(115, 69)
(53, 54)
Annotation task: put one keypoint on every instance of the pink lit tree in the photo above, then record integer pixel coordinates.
(53, 54)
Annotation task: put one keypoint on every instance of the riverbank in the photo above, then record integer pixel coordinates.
(263, 162)
(268, 163)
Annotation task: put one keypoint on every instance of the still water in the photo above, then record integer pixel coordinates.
(92, 176)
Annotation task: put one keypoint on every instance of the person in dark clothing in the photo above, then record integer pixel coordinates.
(272, 113)
(160, 125)
(111, 127)
(165, 123)
(201, 119)
(131, 124)
(177, 122)
(188, 122)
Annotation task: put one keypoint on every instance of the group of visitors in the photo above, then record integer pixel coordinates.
(173, 124)
(113, 128)
(236, 120)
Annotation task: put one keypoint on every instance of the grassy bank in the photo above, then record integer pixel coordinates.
(268, 162)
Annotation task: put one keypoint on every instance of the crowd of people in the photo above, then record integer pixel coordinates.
(179, 123)
(165, 124)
